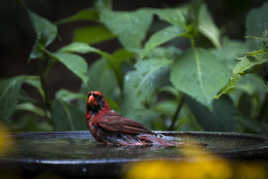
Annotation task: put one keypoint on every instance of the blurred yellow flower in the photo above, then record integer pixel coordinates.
(6, 141)
(250, 171)
(197, 164)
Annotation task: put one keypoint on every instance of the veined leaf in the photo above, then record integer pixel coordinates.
(139, 88)
(130, 27)
(199, 74)
(73, 62)
(247, 62)
(229, 52)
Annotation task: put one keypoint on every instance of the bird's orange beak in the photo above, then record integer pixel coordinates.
(91, 100)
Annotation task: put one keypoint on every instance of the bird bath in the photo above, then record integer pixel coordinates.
(77, 154)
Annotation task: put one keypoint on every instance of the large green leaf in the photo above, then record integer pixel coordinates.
(82, 15)
(251, 84)
(130, 27)
(74, 63)
(169, 52)
(67, 117)
(247, 62)
(139, 88)
(207, 26)
(257, 24)
(229, 52)
(174, 16)
(161, 37)
(114, 61)
(9, 93)
(92, 34)
(199, 74)
(45, 34)
(35, 82)
(33, 108)
(222, 117)
(102, 78)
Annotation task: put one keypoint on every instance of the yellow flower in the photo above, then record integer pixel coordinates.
(6, 141)
(251, 171)
(198, 164)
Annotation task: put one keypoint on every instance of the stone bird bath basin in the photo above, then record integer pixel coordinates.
(76, 153)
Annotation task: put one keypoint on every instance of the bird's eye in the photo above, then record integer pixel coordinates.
(98, 98)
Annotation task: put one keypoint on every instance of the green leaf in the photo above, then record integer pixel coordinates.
(245, 64)
(251, 84)
(82, 15)
(169, 52)
(199, 74)
(167, 107)
(114, 61)
(161, 37)
(174, 16)
(101, 78)
(257, 24)
(140, 86)
(45, 34)
(222, 117)
(74, 63)
(92, 34)
(207, 26)
(35, 82)
(169, 89)
(67, 117)
(229, 52)
(68, 96)
(130, 27)
(9, 94)
(248, 62)
(77, 47)
(32, 108)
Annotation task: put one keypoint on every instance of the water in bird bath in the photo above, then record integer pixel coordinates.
(77, 153)
(81, 146)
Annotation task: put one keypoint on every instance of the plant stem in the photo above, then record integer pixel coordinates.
(42, 74)
(177, 113)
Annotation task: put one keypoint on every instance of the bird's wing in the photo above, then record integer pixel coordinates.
(114, 122)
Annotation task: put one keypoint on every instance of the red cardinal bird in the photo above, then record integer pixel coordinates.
(109, 127)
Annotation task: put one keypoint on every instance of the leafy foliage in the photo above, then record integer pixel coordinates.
(193, 75)
(152, 78)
